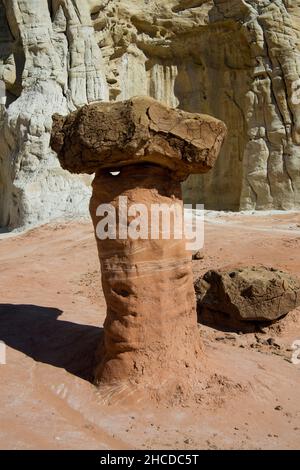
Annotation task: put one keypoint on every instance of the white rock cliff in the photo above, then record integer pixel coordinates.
(235, 59)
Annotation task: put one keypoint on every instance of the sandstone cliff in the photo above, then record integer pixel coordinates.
(235, 59)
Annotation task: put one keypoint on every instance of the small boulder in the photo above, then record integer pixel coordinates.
(198, 255)
(241, 296)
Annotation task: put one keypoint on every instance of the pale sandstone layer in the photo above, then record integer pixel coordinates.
(235, 59)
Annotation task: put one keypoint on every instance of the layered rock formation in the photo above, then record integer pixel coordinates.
(140, 151)
(235, 59)
(50, 62)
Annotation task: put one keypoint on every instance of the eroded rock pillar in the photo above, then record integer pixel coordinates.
(150, 332)
(151, 327)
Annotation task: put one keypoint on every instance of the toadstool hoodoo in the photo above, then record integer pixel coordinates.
(140, 151)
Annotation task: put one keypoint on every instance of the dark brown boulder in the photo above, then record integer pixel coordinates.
(237, 297)
(137, 131)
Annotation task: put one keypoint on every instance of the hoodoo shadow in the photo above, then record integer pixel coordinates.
(37, 332)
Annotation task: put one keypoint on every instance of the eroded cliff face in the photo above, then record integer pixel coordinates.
(235, 59)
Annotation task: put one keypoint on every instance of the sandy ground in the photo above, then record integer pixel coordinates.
(51, 313)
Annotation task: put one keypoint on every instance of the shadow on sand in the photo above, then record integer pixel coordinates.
(37, 332)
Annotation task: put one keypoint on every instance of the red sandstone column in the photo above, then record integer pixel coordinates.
(151, 327)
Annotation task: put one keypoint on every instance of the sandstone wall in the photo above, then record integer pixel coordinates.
(236, 59)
